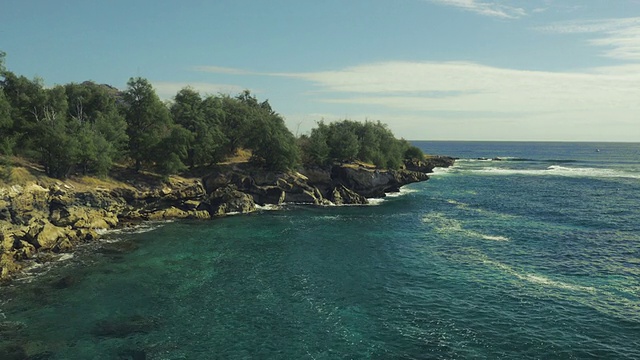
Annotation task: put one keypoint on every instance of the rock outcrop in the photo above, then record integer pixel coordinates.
(54, 216)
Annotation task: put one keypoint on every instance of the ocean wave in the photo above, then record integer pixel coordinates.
(557, 170)
(517, 159)
(443, 171)
(601, 299)
(403, 191)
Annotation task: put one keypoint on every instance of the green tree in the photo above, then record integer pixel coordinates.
(272, 144)
(147, 118)
(236, 123)
(343, 141)
(100, 128)
(201, 118)
(171, 150)
(55, 139)
(314, 148)
(6, 123)
(28, 102)
(6, 126)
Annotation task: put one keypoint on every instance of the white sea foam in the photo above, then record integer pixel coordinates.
(556, 170)
(375, 201)
(268, 207)
(536, 278)
(442, 171)
(539, 279)
(442, 224)
(65, 257)
(494, 237)
(403, 191)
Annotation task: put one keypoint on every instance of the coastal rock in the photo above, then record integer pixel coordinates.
(83, 217)
(170, 213)
(183, 190)
(49, 236)
(429, 163)
(340, 195)
(267, 195)
(364, 181)
(53, 216)
(228, 200)
(32, 201)
(8, 266)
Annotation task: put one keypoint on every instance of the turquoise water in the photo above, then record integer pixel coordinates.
(536, 256)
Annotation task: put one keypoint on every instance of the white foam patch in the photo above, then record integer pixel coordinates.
(494, 238)
(65, 257)
(442, 171)
(375, 201)
(556, 170)
(268, 207)
(536, 278)
(442, 224)
(403, 191)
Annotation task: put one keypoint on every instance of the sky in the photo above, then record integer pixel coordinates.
(544, 70)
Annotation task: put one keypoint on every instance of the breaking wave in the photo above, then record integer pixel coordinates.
(556, 170)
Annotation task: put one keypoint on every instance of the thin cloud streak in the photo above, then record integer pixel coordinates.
(621, 36)
(598, 104)
(492, 9)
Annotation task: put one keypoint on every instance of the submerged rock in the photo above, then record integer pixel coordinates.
(13, 352)
(123, 327)
(132, 354)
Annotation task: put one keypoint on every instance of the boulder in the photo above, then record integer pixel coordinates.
(170, 213)
(267, 195)
(340, 195)
(49, 236)
(8, 266)
(228, 200)
(184, 190)
(30, 202)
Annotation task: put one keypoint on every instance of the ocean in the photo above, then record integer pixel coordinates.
(519, 251)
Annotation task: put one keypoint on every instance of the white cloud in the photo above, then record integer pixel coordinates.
(167, 90)
(467, 100)
(487, 8)
(620, 36)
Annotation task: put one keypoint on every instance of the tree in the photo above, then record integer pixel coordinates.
(343, 141)
(236, 123)
(201, 118)
(348, 140)
(273, 145)
(101, 129)
(6, 125)
(55, 140)
(148, 120)
(314, 148)
(28, 102)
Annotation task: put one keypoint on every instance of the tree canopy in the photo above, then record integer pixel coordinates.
(86, 128)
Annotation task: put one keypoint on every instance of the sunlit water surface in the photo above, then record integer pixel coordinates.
(536, 256)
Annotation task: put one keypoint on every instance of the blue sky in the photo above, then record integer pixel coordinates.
(430, 69)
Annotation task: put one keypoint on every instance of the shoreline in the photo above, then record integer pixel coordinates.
(43, 218)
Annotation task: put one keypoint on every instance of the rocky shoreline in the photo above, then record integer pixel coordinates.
(38, 218)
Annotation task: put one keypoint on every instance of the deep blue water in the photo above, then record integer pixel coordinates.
(536, 256)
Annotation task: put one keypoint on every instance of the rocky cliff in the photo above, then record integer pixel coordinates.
(40, 217)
